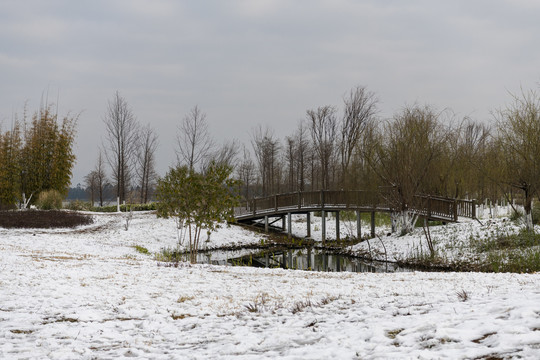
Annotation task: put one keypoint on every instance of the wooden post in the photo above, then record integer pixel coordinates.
(337, 226)
(373, 224)
(290, 259)
(289, 221)
(266, 223)
(275, 203)
(308, 224)
(254, 206)
(358, 225)
(323, 226)
(299, 200)
(473, 203)
(283, 222)
(455, 211)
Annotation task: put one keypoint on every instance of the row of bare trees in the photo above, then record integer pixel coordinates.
(324, 152)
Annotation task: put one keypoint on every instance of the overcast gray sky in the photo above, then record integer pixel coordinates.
(260, 61)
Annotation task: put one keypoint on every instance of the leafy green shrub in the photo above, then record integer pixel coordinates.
(49, 200)
(79, 205)
(525, 261)
(141, 249)
(523, 239)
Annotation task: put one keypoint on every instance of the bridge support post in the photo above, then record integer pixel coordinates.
(289, 223)
(308, 220)
(373, 224)
(337, 227)
(266, 223)
(283, 223)
(290, 262)
(358, 225)
(323, 226)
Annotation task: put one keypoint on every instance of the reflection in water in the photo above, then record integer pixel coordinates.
(308, 259)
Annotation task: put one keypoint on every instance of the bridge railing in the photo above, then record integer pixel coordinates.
(466, 208)
(440, 207)
(429, 206)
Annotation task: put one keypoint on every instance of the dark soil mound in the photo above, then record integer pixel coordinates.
(43, 219)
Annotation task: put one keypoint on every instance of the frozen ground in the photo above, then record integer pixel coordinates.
(88, 294)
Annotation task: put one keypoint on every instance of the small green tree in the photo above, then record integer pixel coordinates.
(198, 201)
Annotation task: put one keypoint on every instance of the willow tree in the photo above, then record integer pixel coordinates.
(519, 139)
(403, 153)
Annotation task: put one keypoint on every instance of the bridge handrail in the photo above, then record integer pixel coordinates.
(425, 205)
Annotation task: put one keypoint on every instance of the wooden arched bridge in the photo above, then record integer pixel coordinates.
(279, 207)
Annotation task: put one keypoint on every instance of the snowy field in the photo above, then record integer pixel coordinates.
(87, 293)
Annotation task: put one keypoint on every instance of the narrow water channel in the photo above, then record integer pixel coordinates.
(307, 259)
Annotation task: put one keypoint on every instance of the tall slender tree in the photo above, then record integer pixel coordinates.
(323, 124)
(146, 173)
(10, 166)
(122, 132)
(360, 107)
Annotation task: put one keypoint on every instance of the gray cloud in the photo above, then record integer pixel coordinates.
(260, 62)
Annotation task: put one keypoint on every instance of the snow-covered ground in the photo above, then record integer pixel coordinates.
(87, 293)
(452, 241)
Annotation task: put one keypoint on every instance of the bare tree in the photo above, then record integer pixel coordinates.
(90, 181)
(323, 131)
(122, 130)
(290, 159)
(360, 108)
(302, 154)
(101, 177)
(246, 172)
(146, 173)
(193, 140)
(266, 149)
(468, 146)
(225, 155)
